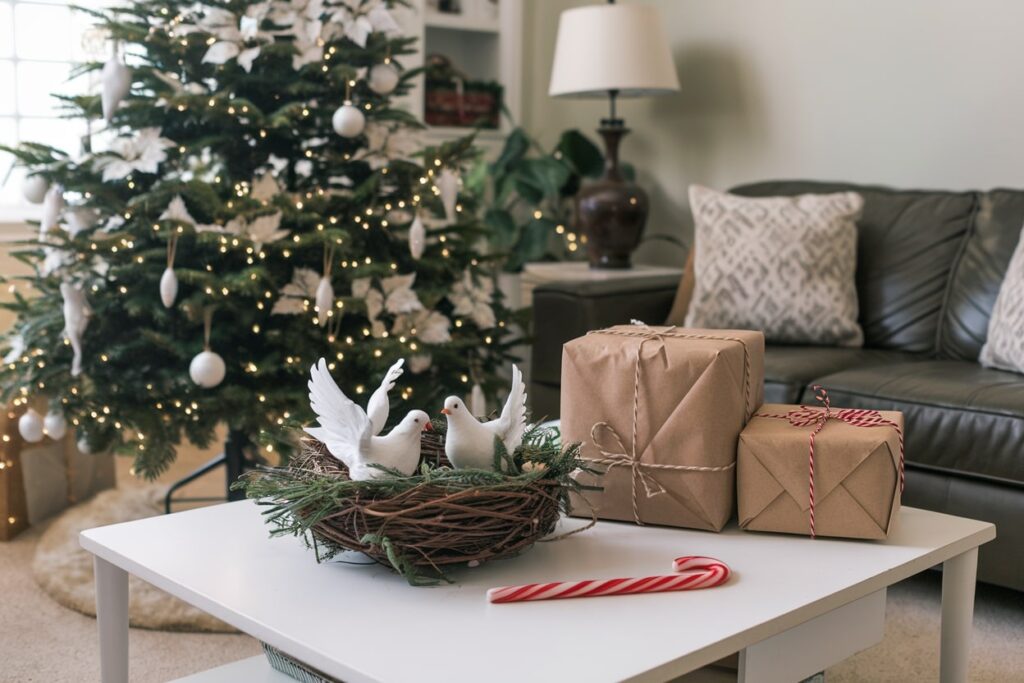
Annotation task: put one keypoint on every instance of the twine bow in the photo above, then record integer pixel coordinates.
(807, 416)
(616, 454)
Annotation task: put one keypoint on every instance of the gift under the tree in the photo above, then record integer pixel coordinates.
(821, 471)
(658, 411)
(39, 480)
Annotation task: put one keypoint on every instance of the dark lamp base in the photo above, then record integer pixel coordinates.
(612, 211)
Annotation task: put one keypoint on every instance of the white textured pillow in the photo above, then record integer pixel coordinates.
(784, 265)
(1004, 348)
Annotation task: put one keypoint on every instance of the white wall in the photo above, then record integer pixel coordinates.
(909, 93)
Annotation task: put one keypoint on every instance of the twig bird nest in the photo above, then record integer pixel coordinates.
(436, 518)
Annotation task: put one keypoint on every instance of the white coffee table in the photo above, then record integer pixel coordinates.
(793, 607)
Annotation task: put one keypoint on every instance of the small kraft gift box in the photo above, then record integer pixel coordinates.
(821, 471)
(658, 411)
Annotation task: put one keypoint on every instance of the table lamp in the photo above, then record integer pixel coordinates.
(612, 51)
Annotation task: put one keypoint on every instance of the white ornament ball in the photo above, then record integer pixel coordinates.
(83, 446)
(348, 121)
(383, 78)
(207, 369)
(168, 287)
(54, 425)
(30, 426)
(34, 188)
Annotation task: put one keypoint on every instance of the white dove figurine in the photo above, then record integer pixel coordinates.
(470, 443)
(347, 432)
(378, 406)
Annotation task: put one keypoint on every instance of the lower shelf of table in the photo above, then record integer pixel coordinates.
(251, 670)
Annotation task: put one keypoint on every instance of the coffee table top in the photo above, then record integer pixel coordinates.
(364, 623)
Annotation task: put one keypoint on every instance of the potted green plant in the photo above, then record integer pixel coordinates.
(528, 196)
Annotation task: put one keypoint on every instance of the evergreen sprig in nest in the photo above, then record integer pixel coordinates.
(421, 524)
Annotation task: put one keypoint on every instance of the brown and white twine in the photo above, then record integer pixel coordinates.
(624, 457)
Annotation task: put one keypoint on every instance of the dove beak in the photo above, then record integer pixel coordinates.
(428, 427)
(445, 411)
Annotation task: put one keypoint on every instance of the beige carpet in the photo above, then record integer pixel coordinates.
(64, 569)
(42, 641)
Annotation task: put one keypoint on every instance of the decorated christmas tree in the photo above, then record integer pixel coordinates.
(252, 201)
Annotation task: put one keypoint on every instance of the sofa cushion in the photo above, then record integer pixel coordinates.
(782, 265)
(978, 274)
(960, 418)
(1004, 347)
(907, 244)
(789, 369)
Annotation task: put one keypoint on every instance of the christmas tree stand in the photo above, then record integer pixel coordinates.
(233, 459)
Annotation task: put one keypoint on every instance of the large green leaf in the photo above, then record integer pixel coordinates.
(533, 243)
(545, 176)
(501, 227)
(475, 182)
(582, 155)
(515, 149)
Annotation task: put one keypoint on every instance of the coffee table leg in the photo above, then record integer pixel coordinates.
(958, 577)
(112, 619)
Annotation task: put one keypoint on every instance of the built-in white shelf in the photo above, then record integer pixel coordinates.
(483, 45)
(462, 22)
(252, 670)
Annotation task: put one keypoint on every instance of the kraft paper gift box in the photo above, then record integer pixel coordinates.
(658, 410)
(39, 480)
(857, 471)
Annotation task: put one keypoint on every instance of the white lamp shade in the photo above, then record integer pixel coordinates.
(612, 47)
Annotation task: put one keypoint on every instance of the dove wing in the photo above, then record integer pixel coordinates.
(512, 421)
(378, 406)
(344, 427)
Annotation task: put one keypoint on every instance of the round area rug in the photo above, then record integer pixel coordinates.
(64, 570)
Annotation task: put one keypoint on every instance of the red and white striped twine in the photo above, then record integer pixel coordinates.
(695, 572)
(806, 416)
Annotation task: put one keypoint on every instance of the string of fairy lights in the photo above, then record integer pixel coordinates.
(331, 229)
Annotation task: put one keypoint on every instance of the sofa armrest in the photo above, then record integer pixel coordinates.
(566, 310)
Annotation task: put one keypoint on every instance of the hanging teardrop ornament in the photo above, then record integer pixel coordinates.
(169, 281)
(448, 184)
(116, 80)
(417, 237)
(324, 299)
(53, 204)
(168, 287)
(477, 401)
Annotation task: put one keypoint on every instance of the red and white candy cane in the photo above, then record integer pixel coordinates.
(694, 573)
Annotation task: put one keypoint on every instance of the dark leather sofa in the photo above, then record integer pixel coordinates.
(929, 268)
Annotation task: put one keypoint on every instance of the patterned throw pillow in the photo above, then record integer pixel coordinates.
(1004, 348)
(784, 265)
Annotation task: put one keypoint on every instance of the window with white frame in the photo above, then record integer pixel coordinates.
(40, 41)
